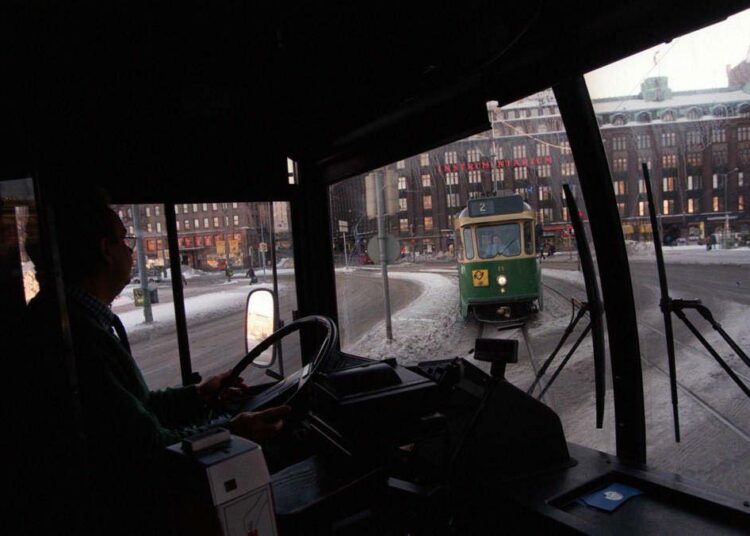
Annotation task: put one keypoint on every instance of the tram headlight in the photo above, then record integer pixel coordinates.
(502, 280)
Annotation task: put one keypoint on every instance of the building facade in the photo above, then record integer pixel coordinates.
(210, 235)
(695, 143)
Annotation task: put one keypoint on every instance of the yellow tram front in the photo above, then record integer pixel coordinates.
(499, 274)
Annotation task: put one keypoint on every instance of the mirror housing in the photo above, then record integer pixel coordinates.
(260, 322)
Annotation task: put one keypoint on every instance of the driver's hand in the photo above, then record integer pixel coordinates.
(260, 425)
(208, 389)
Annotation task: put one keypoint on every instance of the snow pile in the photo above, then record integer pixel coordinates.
(430, 322)
(286, 262)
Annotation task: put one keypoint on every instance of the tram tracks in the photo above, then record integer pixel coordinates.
(707, 406)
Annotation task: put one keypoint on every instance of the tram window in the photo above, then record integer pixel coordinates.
(215, 265)
(468, 243)
(498, 240)
(528, 238)
(19, 227)
(705, 252)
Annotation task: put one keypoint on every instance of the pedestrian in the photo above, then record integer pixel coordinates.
(251, 275)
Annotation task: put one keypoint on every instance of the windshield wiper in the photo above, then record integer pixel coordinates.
(509, 244)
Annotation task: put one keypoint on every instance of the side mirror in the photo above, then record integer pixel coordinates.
(260, 323)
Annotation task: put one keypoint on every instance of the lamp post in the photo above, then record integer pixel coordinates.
(726, 207)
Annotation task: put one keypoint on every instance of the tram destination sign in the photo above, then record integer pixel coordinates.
(495, 206)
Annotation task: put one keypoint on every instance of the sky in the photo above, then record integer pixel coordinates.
(694, 61)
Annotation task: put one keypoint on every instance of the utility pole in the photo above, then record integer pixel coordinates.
(383, 242)
(148, 316)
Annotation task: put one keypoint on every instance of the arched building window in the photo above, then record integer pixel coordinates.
(619, 119)
(694, 113)
(667, 115)
(643, 117)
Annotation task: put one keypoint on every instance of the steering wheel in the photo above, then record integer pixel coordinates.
(308, 371)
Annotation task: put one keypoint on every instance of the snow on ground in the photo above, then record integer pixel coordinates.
(640, 251)
(431, 322)
(197, 308)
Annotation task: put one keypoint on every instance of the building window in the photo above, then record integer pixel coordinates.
(741, 202)
(402, 183)
(206, 223)
(668, 206)
(475, 176)
(669, 161)
(620, 164)
(565, 214)
(743, 156)
(453, 200)
(400, 164)
(177, 224)
(473, 155)
(693, 182)
(234, 205)
(542, 149)
(214, 206)
(195, 207)
(668, 184)
(545, 170)
(568, 169)
(236, 219)
(158, 226)
(403, 225)
(475, 195)
(187, 225)
(226, 221)
(695, 159)
(719, 157)
(667, 116)
(519, 151)
(641, 208)
(427, 202)
(185, 208)
(428, 223)
(694, 137)
(216, 221)
(450, 157)
(668, 139)
(544, 193)
(641, 186)
(148, 212)
(148, 227)
(521, 173)
(205, 207)
(719, 179)
(546, 215)
(618, 143)
(565, 147)
(644, 141)
(196, 224)
(692, 205)
(451, 178)
(718, 135)
(498, 174)
(402, 204)
(743, 134)
(619, 187)
(424, 159)
(715, 206)
(740, 179)
(426, 181)
(157, 210)
(621, 208)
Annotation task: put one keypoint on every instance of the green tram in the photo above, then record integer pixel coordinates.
(499, 272)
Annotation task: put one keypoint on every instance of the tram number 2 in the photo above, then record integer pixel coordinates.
(480, 278)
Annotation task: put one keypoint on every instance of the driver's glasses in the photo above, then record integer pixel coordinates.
(129, 241)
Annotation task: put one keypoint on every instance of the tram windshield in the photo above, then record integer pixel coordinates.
(502, 240)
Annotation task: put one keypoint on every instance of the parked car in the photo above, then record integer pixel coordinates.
(154, 276)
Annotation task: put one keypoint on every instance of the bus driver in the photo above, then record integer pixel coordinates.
(126, 425)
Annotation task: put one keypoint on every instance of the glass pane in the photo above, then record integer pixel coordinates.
(683, 108)
(151, 327)
(526, 154)
(225, 252)
(19, 227)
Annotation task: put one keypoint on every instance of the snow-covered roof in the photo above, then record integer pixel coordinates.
(677, 100)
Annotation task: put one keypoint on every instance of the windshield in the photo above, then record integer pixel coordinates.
(494, 240)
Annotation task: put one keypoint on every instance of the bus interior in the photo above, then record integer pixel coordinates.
(266, 123)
